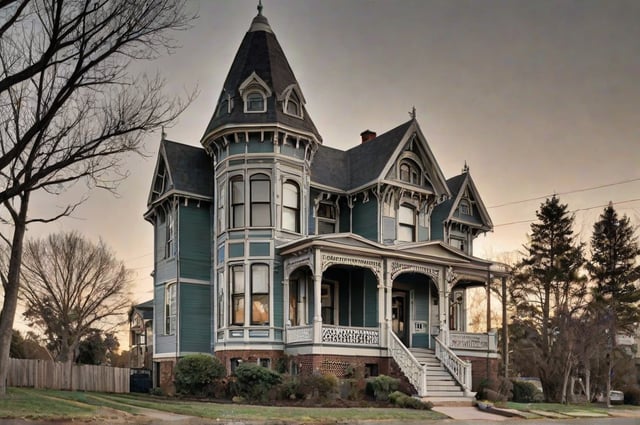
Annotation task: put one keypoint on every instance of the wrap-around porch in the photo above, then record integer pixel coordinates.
(361, 302)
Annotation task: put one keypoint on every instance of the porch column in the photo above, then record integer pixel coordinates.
(285, 290)
(488, 301)
(317, 309)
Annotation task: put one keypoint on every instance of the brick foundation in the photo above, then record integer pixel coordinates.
(482, 368)
(167, 376)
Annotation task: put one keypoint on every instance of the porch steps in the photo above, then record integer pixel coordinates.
(442, 388)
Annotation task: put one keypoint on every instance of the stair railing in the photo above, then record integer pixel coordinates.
(412, 369)
(459, 369)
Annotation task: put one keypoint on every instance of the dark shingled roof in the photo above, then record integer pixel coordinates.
(454, 184)
(360, 164)
(190, 168)
(260, 52)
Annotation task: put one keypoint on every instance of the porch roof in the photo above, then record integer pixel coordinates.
(435, 252)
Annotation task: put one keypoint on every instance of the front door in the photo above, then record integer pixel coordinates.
(400, 315)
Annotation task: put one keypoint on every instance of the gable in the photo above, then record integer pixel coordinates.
(440, 250)
(466, 206)
(162, 179)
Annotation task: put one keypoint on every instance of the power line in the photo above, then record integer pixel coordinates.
(572, 211)
(585, 189)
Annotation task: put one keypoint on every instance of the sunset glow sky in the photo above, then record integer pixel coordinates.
(538, 97)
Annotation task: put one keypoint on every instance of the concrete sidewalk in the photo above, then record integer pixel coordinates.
(468, 413)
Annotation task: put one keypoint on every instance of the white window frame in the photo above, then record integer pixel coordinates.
(170, 308)
(404, 225)
(296, 210)
(323, 219)
(254, 84)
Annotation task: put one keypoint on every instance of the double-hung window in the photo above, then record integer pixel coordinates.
(406, 223)
(237, 201)
(170, 243)
(290, 206)
(237, 295)
(259, 294)
(326, 218)
(260, 200)
(170, 309)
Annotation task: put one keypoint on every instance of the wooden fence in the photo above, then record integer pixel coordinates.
(56, 375)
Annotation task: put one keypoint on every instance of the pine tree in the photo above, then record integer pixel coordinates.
(612, 267)
(549, 292)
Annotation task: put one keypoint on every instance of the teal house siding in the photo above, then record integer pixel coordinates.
(166, 270)
(195, 318)
(278, 294)
(437, 229)
(195, 242)
(345, 217)
(421, 313)
(345, 301)
(365, 220)
(370, 300)
(164, 343)
(357, 304)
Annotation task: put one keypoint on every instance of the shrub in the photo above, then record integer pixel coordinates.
(632, 395)
(381, 386)
(524, 392)
(195, 372)
(317, 386)
(255, 382)
(402, 400)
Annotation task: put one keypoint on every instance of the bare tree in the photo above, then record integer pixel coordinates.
(70, 109)
(71, 288)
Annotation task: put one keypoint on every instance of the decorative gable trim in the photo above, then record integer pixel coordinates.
(429, 165)
(293, 100)
(162, 180)
(468, 189)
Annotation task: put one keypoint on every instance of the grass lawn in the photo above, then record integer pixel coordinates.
(35, 404)
(51, 404)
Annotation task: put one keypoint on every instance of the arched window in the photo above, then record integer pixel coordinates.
(291, 206)
(409, 172)
(237, 201)
(464, 207)
(255, 102)
(406, 223)
(260, 200)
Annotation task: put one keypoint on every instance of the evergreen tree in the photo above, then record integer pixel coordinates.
(549, 294)
(613, 269)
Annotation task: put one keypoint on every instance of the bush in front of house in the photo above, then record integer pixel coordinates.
(631, 395)
(401, 399)
(381, 386)
(254, 382)
(524, 392)
(196, 372)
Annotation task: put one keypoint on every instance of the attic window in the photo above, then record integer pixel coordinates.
(409, 172)
(255, 102)
(464, 207)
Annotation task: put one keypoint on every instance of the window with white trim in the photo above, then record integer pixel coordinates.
(409, 172)
(255, 102)
(464, 207)
(259, 294)
(236, 190)
(457, 243)
(290, 206)
(260, 200)
(170, 309)
(170, 245)
(406, 223)
(326, 218)
(237, 295)
(221, 212)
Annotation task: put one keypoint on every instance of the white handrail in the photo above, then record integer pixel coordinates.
(412, 369)
(459, 369)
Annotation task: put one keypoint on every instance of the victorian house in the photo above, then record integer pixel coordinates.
(272, 247)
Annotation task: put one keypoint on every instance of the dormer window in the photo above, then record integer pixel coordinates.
(254, 92)
(292, 101)
(255, 102)
(464, 207)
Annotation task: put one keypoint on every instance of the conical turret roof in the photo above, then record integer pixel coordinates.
(260, 55)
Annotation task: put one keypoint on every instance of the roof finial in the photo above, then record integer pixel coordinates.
(465, 169)
(259, 7)
(164, 135)
(412, 114)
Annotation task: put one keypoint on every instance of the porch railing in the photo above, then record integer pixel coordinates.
(459, 369)
(412, 369)
(299, 334)
(473, 341)
(351, 335)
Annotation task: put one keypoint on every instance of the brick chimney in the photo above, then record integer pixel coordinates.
(367, 136)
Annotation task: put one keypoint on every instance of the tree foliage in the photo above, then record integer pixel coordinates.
(549, 295)
(70, 108)
(72, 287)
(98, 348)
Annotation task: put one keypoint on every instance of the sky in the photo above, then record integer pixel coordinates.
(537, 97)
